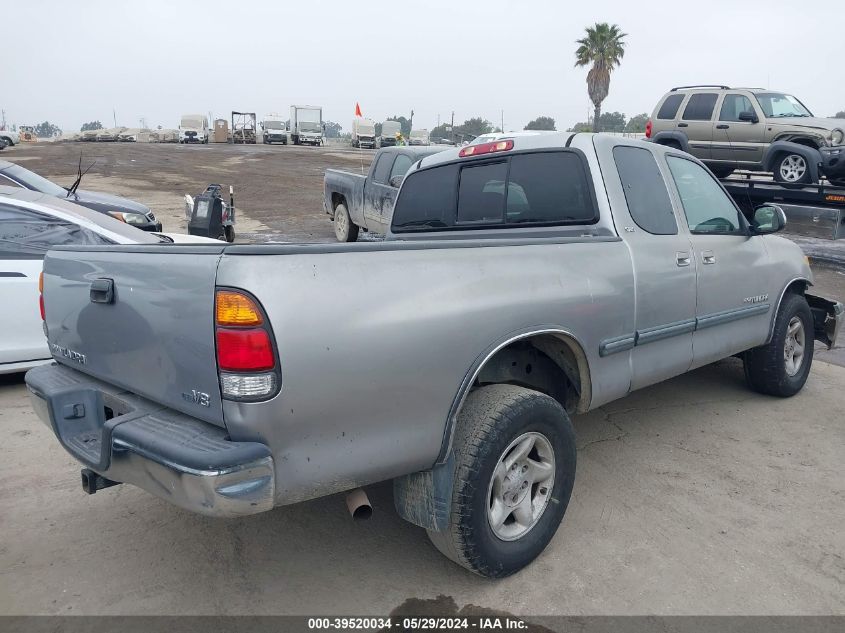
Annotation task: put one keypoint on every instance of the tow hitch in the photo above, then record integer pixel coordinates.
(92, 482)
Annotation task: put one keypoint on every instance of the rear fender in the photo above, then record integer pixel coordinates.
(668, 136)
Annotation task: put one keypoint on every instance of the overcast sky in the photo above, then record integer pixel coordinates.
(71, 61)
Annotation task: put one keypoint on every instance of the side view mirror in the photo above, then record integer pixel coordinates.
(748, 116)
(768, 218)
(395, 181)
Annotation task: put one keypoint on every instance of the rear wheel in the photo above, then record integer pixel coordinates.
(792, 168)
(514, 452)
(780, 368)
(344, 229)
(722, 172)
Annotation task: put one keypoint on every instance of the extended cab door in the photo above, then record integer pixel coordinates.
(697, 123)
(664, 270)
(734, 281)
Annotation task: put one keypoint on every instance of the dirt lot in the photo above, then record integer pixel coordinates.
(278, 189)
(695, 496)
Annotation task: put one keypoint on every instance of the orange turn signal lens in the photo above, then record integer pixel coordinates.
(41, 282)
(234, 308)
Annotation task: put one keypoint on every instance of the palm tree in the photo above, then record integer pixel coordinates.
(603, 48)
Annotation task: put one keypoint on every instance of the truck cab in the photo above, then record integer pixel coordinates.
(193, 128)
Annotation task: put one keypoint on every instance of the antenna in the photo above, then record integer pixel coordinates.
(114, 115)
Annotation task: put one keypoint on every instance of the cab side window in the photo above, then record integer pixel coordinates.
(707, 207)
(733, 105)
(400, 166)
(645, 190)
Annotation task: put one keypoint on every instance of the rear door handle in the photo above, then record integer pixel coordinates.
(708, 257)
(102, 291)
(682, 125)
(682, 259)
(722, 126)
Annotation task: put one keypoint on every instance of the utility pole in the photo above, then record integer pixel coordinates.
(114, 115)
(503, 121)
(452, 128)
(411, 123)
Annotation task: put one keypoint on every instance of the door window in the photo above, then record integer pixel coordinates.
(645, 190)
(383, 168)
(707, 207)
(26, 234)
(733, 105)
(700, 107)
(400, 166)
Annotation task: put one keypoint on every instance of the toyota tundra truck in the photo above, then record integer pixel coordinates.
(522, 282)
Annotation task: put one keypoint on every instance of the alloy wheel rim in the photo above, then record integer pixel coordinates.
(340, 224)
(521, 486)
(793, 348)
(792, 168)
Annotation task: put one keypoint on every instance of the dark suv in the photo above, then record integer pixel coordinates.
(753, 129)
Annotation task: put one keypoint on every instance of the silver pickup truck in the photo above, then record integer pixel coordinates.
(523, 281)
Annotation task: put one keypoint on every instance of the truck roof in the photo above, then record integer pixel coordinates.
(542, 141)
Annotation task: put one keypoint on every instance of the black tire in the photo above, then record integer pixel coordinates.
(492, 418)
(780, 169)
(229, 233)
(766, 368)
(344, 229)
(722, 172)
(9, 141)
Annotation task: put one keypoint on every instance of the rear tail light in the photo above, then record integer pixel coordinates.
(648, 129)
(246, 357)
(486, 148)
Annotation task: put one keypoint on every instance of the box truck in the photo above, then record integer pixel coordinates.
(306, 125)
(363, 132)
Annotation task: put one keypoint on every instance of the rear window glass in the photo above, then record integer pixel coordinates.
(700, 107)
(542, 188)
(481, 193)
(645, 190)
(26, 233)
(670, 107)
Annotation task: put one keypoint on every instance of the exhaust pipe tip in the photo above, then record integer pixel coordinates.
(359, 505)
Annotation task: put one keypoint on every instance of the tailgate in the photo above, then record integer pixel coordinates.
(140, 318)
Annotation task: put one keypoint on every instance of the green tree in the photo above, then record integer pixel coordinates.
(47, 129)
(583, 126)
(602, 48)
(541, 123)
(91, 125)
(612, 122)
(332, 129)
(636, 124)
(475, 127)
(839, 115)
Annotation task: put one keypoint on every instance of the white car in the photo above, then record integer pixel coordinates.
(30, 224)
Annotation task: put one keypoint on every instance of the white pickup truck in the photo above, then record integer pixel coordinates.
(522, 282)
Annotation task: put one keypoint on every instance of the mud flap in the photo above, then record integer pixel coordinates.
(425, 498)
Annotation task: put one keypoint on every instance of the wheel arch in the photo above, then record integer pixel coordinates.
(423, 498)
(672, 138)
(799, 286)
(566, 359)
(338, 198)
(810, 153)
